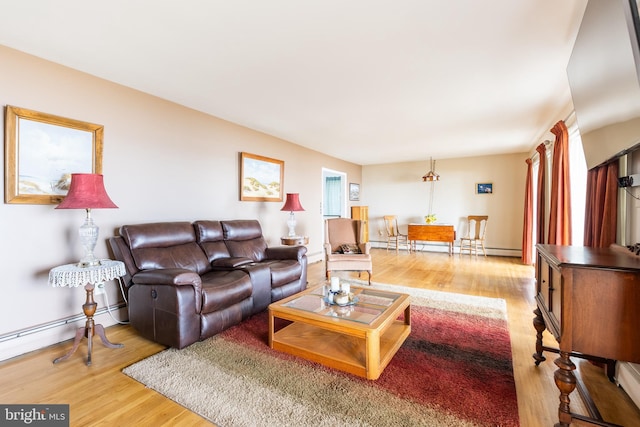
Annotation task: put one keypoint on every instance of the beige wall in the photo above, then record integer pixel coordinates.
(161, 162)
(165, 162)
(398, 189)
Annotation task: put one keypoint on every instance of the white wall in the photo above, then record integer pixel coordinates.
(161, 162)
(398, 189)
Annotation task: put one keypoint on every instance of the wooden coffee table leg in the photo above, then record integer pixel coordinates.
(271, 331)
(407, 315)
(372, 349)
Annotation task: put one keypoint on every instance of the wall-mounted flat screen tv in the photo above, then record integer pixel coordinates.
(604, 78)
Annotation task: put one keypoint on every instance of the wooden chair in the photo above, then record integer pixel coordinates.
(340, 233)
(394, 237)
(476, 233)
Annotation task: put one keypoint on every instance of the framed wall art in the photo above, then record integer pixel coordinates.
(261, 178)
(41, 153)
(484, 188)
(354, 191)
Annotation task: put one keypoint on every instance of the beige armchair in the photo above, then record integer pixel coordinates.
(341, 234)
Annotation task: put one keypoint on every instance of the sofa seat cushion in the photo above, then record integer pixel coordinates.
(283, 271)
(222, 289)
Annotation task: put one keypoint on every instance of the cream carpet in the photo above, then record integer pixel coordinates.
(235, 379)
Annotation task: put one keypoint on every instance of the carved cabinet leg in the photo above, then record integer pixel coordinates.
(538, 323)
(565, 380)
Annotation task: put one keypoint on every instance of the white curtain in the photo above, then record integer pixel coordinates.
(332, 196)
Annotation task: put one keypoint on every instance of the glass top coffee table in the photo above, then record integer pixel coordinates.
(359, 338)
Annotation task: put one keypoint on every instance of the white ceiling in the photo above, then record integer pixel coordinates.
(368, 81)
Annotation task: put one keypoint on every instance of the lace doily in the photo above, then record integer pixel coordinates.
(71, 275)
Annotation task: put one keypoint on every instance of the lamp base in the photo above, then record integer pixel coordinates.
(88, 233)
(291, 223)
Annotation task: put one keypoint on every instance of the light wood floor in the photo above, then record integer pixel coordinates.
(102, 395)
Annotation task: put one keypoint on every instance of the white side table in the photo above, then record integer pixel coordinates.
(72, 275)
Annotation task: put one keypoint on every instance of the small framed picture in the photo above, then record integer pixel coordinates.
(354, 191)
(484, 188)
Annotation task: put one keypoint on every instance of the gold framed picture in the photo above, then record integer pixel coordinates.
(261, 178)
(41, 153)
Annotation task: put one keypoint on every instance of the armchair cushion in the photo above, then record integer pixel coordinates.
(350, 249)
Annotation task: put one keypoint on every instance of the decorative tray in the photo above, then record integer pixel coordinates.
(351, 302)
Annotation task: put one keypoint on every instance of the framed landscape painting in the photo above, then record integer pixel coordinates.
(43, 150)
(261, 178)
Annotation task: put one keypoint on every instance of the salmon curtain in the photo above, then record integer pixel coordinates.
(560, 209)
(542, 153)
(527, 228)
(601, 210)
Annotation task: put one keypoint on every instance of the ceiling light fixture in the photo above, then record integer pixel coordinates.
(431, 177)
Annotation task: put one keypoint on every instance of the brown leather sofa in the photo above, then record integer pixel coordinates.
(189, 281)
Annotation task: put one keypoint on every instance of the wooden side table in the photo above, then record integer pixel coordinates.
(72, 275)
(295, 241)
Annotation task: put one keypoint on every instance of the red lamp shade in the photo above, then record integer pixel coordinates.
(292, 204)
(86, 192)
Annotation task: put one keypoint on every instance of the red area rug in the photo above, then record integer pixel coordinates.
(455, 369)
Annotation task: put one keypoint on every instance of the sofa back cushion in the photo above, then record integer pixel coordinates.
(210, 237)
(165, 245)
(243, 238)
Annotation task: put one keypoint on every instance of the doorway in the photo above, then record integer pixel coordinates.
(334, 194)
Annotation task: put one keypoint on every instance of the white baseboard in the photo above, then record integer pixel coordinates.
(22, 342)
(315, 257)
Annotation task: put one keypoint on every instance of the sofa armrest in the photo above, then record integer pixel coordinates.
(286, 252)
(167, 276)
(172, 276)
(227, 263)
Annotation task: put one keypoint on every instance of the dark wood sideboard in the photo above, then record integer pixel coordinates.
(589, 299)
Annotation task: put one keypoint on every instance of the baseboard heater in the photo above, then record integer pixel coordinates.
(57, 323)
(444, 247)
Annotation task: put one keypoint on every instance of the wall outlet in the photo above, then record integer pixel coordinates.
(99, 289)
